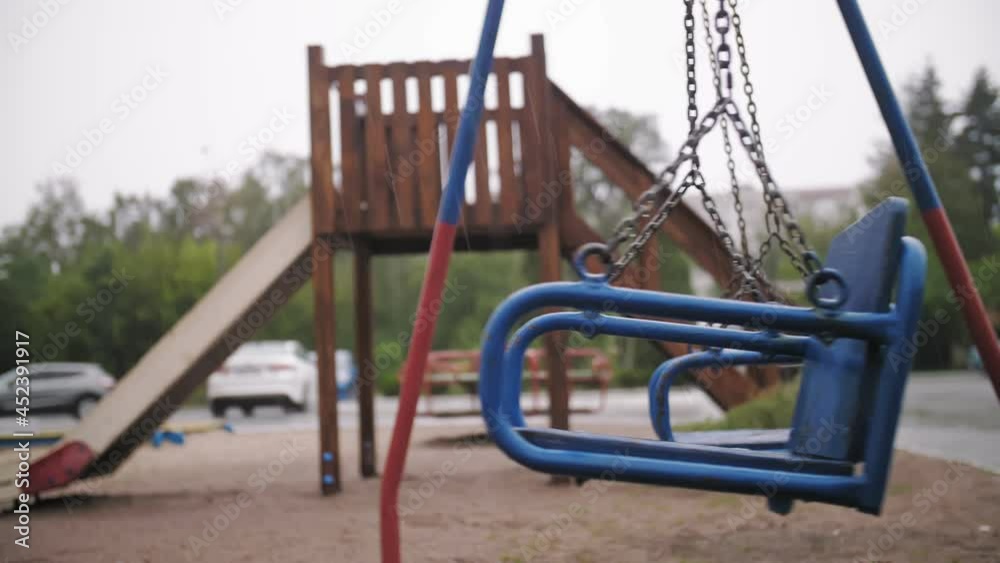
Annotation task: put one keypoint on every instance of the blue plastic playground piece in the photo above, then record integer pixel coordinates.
(856, 357)
(172, 436)
(345, 390)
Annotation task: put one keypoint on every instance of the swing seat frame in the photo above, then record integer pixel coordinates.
(839, 449)
(669, 371)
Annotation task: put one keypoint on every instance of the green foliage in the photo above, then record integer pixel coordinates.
(105, 286)
(961, 147)
(773, 409)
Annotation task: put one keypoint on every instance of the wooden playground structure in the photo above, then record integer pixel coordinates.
(448, 369)
(387, 130)
(396, 125)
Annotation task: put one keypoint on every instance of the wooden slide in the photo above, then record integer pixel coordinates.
(242, 301)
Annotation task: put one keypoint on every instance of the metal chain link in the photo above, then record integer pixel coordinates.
(740, 284)
(778, 211)
(737, 259)
(657, 202)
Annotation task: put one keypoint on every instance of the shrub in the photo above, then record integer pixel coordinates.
(772, 409)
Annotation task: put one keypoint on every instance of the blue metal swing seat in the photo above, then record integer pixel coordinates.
(855, 347)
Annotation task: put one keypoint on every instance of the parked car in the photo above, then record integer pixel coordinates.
(267, 372)
(346, 371)
(60, 387)
(973, 361)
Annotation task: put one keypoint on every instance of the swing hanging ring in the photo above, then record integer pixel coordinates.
(586, 251)
(830, 278)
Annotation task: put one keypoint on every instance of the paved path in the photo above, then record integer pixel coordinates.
(952, 415)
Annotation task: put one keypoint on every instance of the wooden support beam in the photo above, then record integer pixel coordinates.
(548, 237)
(323, 205)
(322, 152)
(364, 354)
(509, 187)
(351, 166)
(325, 329)
(428, 145)
(403, 179)
(379, 201)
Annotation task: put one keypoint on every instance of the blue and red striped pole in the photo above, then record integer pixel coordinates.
(428, 307)
(925, 194)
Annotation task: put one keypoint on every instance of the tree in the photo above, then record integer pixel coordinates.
(597, 199)
(959, 150)
(979, 139)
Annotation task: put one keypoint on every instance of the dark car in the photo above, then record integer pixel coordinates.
(65, 387)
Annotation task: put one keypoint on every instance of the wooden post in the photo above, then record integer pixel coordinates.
(322, 196)
(363, 315)
(550, 258)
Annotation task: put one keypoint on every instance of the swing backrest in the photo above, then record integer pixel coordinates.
(835, 399)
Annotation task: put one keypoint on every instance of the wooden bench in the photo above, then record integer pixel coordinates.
(449, 368)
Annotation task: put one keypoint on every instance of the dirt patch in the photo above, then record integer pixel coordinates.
(249, 498)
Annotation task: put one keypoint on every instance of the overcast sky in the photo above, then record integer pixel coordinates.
(200, 77)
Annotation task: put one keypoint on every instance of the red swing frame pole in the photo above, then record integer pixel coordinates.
(922, 186)
(429, 305)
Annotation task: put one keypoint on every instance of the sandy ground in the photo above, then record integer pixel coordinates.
(254, 497)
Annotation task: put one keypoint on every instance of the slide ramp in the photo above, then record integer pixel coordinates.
(239, 303)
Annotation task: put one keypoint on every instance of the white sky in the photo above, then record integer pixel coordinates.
(226, 75)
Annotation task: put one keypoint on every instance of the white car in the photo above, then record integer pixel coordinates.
(267, 372)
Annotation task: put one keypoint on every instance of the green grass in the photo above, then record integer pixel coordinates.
(771, 410)
(198, 397)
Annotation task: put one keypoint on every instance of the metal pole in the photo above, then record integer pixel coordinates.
(922, 186)
(428, 308)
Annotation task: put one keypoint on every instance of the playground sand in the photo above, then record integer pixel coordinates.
(255, 497)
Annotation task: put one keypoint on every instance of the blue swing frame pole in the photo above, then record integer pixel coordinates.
(922, 186)
(425, 320)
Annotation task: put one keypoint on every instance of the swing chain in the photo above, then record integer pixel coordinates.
(658, 201)
(778, 213)
(737, 259)
(689, 48)
(742, 281)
